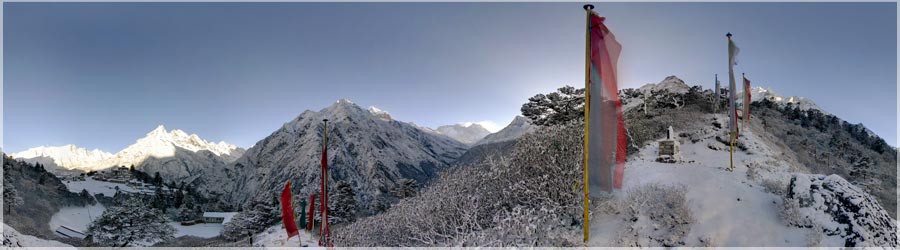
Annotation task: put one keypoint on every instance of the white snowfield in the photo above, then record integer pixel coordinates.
(275, 237)
(93, 186)
(77, 218)
(729, 209)
(13, 239)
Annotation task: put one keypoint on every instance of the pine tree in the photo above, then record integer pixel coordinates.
(11, 196)
(159, 199)
(157, 179)
(128, 222)
(178, 199)
(87, 195)
(342, 203)
(302, 208)
(567, 103)
(405, 188)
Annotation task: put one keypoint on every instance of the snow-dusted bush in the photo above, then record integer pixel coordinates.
(774, 186)
(839, 208)
(128, 222)
(253, 219)
(789, 213)
(531, 198)
(655, 215)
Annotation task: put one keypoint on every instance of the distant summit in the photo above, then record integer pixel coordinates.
(465, 133)
(672, 84)
(175, 154)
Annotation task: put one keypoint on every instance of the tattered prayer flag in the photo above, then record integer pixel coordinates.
(287, 212)
(605, 127)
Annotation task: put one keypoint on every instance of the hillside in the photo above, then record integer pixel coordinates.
(42, 194)
(531, 195)
(370, 152)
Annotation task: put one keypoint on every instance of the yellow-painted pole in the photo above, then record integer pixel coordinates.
(587, 117)
(731, 154)
(732, 111)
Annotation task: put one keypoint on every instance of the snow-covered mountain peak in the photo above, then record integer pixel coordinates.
(162, 143)
(671, 83)
(381, 114)
(518, 127)
(760, 93)
(66, 156)
(158, 131)
(466, 132)
(344, 101)
(159, 143)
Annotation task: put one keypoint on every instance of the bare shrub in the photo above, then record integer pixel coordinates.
(531, 198)
(789, 213)
(655, 216)
(776, 187)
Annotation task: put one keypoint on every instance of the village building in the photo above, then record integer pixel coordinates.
(218, 217)
(66, 232)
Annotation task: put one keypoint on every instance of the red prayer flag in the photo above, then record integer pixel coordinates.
(287, 212)
(606, 137)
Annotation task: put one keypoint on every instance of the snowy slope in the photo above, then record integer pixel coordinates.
(76, 217)
(465, 133)
(735, 208)
(13, 239)
(369, 152)
(276, 237)
(68, 157)
(518, 127)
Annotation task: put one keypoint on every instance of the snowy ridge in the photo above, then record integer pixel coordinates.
(369, 152)
(760, 93)
(518, 127)
(160, 143)
(672, 84)
(68, 157)
(467, 133)
(381, 114)
(176, 155)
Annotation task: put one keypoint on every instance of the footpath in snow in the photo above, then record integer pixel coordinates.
(728, 208)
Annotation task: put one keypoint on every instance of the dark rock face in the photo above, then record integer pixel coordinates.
(842, 209)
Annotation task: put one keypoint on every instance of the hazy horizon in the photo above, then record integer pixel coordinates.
(101, 75)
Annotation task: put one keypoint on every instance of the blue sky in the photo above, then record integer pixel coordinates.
(101, 75)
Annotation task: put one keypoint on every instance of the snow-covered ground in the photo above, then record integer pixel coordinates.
(728, 208)
(202, 230)
(13, 239)
(276, 237)
(98, 187)
(77, 218)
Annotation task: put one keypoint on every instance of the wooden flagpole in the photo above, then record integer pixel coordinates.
(731, 107)
(587, 112)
